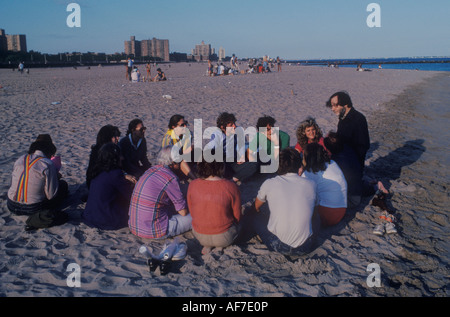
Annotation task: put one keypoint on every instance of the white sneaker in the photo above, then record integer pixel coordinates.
(390, 228)
(379, 229)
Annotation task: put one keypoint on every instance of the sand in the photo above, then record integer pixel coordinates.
(407, 112)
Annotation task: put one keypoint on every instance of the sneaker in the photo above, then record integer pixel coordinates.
(379, 229)
(390, 228)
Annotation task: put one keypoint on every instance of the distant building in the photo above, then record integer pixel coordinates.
(3, 41)
(15, 43)
(202, 52)
(153, 48)
(221, 53)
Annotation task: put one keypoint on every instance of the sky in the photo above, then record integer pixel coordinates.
(291, 29)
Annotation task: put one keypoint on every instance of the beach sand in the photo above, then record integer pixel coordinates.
(407, 112)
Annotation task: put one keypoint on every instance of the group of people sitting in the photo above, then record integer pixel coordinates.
(314, 183)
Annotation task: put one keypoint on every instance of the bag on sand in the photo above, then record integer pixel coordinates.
(45, 219)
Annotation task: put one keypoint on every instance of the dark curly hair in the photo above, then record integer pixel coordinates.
(225, 118)
(343, 99)
(108, 159)
(290, 161)
(207, 169)
(302, 139)
(264, 121)
(315, 157)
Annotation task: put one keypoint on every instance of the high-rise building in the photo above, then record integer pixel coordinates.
(15, 43)
(153, 48)
(202, 52)
(3, 41)
(221, 53)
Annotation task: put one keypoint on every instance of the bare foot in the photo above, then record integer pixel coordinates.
(206, 250)
(382, 188)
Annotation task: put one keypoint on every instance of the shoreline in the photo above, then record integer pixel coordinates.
(413, 263)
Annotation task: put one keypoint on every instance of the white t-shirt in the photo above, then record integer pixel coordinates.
(291, 200)
(331, 186)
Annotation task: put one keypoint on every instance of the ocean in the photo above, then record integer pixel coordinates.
(422, 64)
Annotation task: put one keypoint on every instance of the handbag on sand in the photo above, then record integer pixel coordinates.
(45, 219)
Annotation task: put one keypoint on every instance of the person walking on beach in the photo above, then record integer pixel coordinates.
(352, 127)
(158, 209)
(134, 149)
(129, 67)
(289, 226)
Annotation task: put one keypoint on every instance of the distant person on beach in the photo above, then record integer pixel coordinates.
(233, 148)
(160, 76)
(129, 67)
(21, 66)
(279, 64)
(263, 144)
(158, 209)
(215, 207)
(107, 134)
(352, 127)
(135, 75)
(148, 68)
(178, 132)
(288, 226)
(308, 132)
(134, 149)
(331, 184)
(109, 193)
(36, 184)
(210, 69)
(348, 162)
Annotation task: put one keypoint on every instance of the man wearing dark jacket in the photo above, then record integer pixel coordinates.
(352, 127)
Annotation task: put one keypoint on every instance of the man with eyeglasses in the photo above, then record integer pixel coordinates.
(134, 149)
(352, 127)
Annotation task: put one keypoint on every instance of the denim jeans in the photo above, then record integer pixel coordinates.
(178, 224)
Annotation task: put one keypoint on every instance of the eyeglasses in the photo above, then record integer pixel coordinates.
(164, 266)
(142, 129)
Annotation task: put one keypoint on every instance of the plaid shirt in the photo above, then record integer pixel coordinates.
(156, 197)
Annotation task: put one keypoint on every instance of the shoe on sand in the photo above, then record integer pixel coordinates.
(390, 228)
(379, 229)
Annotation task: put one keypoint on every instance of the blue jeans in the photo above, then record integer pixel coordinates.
(178, 224)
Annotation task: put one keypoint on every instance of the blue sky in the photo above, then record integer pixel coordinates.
(291, 29)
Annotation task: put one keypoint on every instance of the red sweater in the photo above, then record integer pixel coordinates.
(213, 205)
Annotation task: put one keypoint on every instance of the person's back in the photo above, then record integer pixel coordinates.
(109, 197)
(156, 196)
(331, 186)
(34, 179)
(291, 201)
(214, 205)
